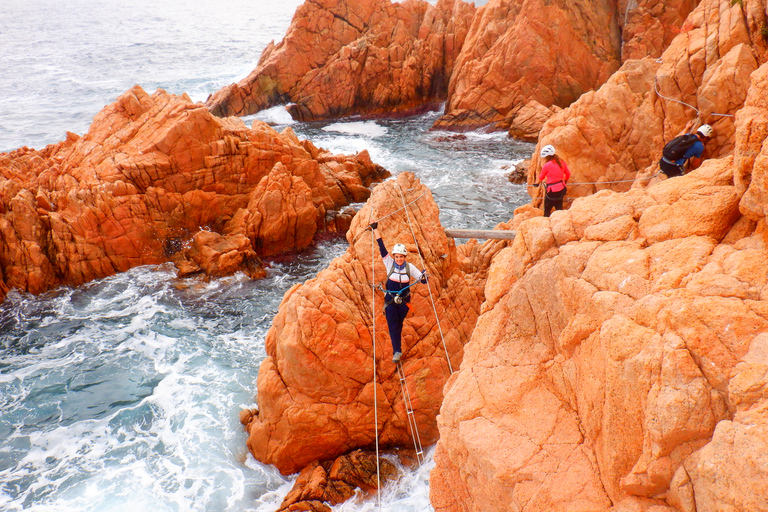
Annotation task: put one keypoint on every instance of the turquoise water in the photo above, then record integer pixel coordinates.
(124, 394)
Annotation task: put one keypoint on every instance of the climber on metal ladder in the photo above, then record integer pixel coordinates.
(401, 275)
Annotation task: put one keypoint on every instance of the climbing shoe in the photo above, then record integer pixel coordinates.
(396, 357)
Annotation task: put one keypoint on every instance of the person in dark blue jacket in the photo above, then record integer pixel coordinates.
(400, 275)
(677, 167)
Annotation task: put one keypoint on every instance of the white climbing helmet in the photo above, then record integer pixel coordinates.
(705, 130)
(400, 249)
(548, 150)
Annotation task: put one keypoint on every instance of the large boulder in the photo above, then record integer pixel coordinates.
(317, 385)
(344, 57)
(620, 364)
(151, 173)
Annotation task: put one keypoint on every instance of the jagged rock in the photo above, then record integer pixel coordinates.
(528, 119)
(615, 353)
(217, 256)
(343, 57)
(151, 173)
(751, 154)
(519, 174)
(335, 481)
(316, 385)
(518, 51)
(649, 26)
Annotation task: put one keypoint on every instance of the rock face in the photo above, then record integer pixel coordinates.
(616, 134)
(344, 57)
(619, 362)
(316, 386)
(159, 178)
(376, 57)
(516, 52)
(649, 26)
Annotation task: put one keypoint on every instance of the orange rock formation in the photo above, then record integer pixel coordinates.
(517, 51)
(619, 362)
(344, 57)
(316, 386)
(154, 173)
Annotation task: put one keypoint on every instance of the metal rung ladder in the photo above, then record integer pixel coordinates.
(409, 413)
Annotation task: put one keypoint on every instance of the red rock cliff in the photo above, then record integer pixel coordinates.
(344, 57)
(154, 173)
(316, 386)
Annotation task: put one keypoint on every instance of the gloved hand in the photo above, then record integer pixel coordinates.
(374, 225)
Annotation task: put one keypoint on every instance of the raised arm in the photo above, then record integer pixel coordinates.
(382, 247)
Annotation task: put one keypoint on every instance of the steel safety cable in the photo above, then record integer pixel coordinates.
(373, 343)
(429, 287)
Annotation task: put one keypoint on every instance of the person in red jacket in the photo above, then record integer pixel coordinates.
(556, 174)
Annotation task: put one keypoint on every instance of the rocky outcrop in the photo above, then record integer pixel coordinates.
(377, 57)
(517, 51)
(528, 119)
(619, 362)
(317, 385)
(344, 57)
(159, 178)
(334, 481)
(613, 135)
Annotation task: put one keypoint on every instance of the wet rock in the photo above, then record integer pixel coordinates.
(335, 481)
(519, 174)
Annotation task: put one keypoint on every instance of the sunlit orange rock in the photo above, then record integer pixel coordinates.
(602, 368)
(344, 57)
(619, 360)
(151, 173)
(649, 26)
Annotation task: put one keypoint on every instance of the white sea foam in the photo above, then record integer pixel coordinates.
(274, 115)
(364, 128)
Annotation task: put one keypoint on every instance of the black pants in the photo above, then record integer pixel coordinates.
(396, 314)
(553, 199)
(671, 170)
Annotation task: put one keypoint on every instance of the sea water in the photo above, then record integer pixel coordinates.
(124, 393)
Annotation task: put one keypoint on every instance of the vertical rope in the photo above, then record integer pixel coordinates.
(373, 342)
(431, 298)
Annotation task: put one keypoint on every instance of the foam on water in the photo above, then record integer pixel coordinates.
(275, 115)
(133, 396)
(364, 128)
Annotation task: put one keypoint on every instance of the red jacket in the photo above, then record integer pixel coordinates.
(554, 174)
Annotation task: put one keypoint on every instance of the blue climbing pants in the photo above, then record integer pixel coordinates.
(396, 314)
